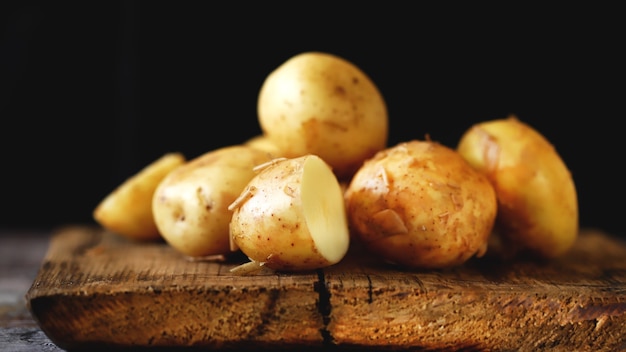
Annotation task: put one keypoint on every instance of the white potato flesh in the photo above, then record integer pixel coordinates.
(191, 205)
(292, 216)
(321, 104)
(127, 210)
(420, 205)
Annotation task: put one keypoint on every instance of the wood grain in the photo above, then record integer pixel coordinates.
(95, 289)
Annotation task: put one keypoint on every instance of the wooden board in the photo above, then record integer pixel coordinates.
(95, 289)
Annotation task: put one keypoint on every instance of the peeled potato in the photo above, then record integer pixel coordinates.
(537, 202)
(127, 210)
(420, 205)
(191, 204)
(321, 104)
(291, 216)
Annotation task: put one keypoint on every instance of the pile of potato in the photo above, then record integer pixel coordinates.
(322, 176)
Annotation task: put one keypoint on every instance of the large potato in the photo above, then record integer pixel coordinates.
(538, 208)
(419, 204)
(321, 104)
(292, 216)
(127, 210)
(190, 205)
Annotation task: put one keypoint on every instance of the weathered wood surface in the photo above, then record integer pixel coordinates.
(21, 252)
(95, 289)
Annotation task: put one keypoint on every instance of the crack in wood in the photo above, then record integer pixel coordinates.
(324, 307)
(573, 302)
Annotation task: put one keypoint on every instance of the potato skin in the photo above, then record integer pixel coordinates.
(262, 142)
(190, 205)
(318, 103)
(537, 201)
(127, 210)
(420, 205)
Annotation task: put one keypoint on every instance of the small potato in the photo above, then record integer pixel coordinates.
(191, 204)
(291, 216)
(420, 205)
(537, 202)
(127, 210)
(321, 104)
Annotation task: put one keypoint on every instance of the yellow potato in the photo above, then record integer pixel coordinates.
(127, 210)
(292, 216)
(537, 201)
(321, 104)
(190, 205)
(263, 143)
(420, 205)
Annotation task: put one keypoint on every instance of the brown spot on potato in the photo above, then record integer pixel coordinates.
(340, 90)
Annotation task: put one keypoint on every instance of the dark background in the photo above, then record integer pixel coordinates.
(90, 92)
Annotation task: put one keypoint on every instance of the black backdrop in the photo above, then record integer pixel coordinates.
(93, 91)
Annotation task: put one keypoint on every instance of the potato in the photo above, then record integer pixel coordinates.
(419, 204)
(321, 104)
(127, 210)
(191, 204)
(291, 216)
(265, 144)
(537, 201)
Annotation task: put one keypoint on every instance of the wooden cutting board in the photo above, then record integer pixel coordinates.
(95, 289)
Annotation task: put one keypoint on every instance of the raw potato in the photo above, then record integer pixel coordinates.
(292, 216)
(419, 204)
(538, 208)
(191, 204)
(263, 143)
(321, 104)
(127, 210)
